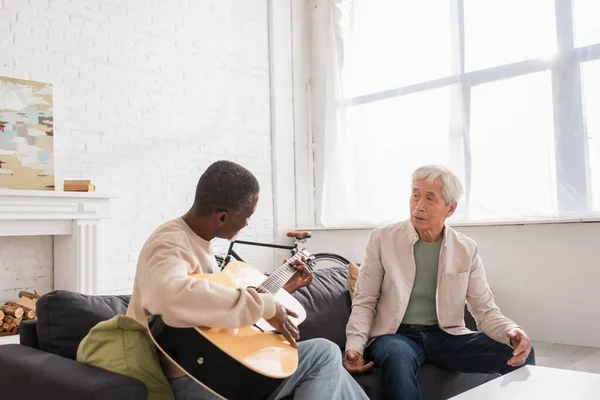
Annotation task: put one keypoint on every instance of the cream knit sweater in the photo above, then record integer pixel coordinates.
(162, 287)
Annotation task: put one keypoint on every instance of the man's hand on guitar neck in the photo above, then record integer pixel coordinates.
(284, 325)
(302, 277)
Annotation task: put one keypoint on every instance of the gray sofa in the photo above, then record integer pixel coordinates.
(43, 366)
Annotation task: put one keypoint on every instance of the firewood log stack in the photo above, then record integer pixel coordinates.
(12, 313)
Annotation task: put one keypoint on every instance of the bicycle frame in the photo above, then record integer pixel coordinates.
(231, 253)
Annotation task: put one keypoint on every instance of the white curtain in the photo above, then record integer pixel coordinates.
(478, 88)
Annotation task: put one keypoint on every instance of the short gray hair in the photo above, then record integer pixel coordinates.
(451, 187)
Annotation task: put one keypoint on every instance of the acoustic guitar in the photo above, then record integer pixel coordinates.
(245, 363)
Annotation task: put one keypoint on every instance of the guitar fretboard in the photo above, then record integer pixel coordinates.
(278, 278)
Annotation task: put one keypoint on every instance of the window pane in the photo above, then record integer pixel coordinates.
(512, 149)
(396, 43)
(391, 139)
(585, 20)
(503, 32)
(590, 77)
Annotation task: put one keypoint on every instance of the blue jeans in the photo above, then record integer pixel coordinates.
(401, 355)
(320, 375)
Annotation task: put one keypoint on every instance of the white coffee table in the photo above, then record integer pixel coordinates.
(533, 382)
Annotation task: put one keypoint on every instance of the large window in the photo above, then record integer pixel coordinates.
(590, 72)
(504, 93)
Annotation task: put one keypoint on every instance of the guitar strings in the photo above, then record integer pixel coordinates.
(278, 279)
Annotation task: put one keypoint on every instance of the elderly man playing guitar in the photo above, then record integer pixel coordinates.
(226, 197)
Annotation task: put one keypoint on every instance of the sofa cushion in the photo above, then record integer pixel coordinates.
(64, 318)
(327, 304)
(121, 345)
(29, 373)
(353, 271)
(371, 382)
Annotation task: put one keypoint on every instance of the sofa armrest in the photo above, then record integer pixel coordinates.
(29, 373)
(28, 333)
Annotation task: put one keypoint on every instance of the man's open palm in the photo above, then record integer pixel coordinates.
(355, 363)
(522, 347)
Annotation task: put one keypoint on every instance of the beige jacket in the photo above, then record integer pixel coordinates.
(386, 279)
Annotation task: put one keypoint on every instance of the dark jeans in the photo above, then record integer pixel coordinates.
(401, 355)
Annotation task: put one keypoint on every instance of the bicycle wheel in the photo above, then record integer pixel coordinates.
(329, 260)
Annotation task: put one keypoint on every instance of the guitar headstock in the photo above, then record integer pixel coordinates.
(307, 255)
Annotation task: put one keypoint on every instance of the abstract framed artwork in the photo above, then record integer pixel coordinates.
(26, 135)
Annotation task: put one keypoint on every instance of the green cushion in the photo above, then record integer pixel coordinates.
(122, 345)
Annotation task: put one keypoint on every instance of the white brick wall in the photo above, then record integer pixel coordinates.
(147, 94)
(25, 264)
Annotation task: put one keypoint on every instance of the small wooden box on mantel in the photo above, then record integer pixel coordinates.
(79, 186)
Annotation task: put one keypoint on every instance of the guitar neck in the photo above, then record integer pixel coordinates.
(278, 278)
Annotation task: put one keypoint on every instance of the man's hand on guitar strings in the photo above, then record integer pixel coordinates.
(284, 325)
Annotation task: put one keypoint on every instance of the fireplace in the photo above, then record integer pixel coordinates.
(72, 218)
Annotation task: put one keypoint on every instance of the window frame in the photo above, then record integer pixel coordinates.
(574, 196)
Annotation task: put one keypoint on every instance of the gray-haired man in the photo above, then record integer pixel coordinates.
(408, 306)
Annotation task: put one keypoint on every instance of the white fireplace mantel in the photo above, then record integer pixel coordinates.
(72, 218)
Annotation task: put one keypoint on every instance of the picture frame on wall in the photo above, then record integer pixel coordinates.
(26, 134)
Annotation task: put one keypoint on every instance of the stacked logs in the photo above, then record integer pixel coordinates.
(12, 313)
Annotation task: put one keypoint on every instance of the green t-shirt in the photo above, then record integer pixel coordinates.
(421, 306)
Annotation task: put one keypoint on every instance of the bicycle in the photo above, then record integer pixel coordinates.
(317, 261)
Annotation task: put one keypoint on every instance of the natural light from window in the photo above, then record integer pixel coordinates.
(478, 86)
(512, 148)
(590, 77)
(403, 132)
(504, 32)
(586, 14)
(395, 62)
